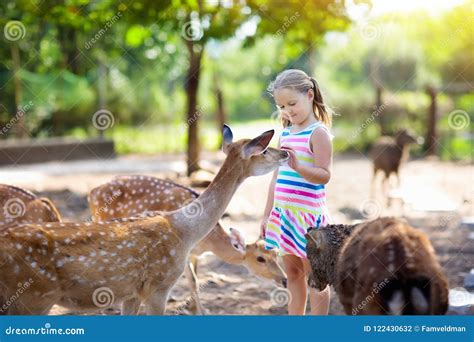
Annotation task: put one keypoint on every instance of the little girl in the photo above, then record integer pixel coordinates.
(296, 197)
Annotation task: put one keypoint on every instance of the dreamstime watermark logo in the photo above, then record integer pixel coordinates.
(14, 208)
(370, 208)
(103, 30)
(288, 21)
(197, 114)
(108, 201)
(193, 209)
(21, 111)
(46, 330)
(367, 122)
(190, 299)
(192, 30)
(103, 119)
(14, 30)
(459, 296)
(376, 288)
(459, 119)
(103, 297)
(369, 31)
(20, 290)
(280, 297)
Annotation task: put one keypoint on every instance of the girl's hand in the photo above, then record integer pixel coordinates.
(284, 115)
(293, 161)
(263, 226)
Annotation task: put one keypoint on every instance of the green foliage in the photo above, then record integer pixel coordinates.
(136, 53)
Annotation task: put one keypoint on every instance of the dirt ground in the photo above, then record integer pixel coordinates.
(436, 197)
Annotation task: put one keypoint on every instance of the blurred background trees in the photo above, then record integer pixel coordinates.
(165, 68)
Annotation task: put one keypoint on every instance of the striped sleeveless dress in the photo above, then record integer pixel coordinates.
(298, 204)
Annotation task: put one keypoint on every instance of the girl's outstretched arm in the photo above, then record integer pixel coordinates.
(321, 146)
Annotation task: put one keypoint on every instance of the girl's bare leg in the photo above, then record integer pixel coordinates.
(295, 273)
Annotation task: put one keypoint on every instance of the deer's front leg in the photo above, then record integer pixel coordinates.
(156, 304)
(191, 275)
(131, 306)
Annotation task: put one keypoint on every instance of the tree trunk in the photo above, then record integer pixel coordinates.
(374, 74)
(431, 134)
(20, 130)
(102, 89)
(308, 62)
(192, 115)
(382, 119)
(220, 113)
(69, 49)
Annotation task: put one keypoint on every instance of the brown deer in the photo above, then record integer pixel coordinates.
(20, 205)
(126, 196)
(135, 260)
(380, 267)
(388, 153)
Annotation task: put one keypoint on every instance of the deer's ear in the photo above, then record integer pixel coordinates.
(316, 237)
(53, 210)
(237, 239)
(258, 144)
(227, 136)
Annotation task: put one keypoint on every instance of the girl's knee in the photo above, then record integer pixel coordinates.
(294, 272)
(294, 267)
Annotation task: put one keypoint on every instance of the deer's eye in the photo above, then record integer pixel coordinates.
(264, 152)
(261, 259)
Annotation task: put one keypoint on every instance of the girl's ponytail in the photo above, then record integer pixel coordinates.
(321, 110)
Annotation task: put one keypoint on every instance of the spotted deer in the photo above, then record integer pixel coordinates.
(19, 205)
(126, 196)
(94, 264)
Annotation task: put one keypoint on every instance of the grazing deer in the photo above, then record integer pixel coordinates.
(127, 196)
(388, 153)
(95, 264)
(19, 205)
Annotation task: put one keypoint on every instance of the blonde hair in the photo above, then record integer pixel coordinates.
(298, 80)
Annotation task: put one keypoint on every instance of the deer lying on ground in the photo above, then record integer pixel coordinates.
(20, 205)
(388, 153)
(132, 261)
(127, 196)
(381, 267)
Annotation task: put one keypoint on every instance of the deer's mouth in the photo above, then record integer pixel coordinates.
(287, 156)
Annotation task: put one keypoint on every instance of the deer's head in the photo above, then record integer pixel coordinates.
(264, 263)
(405, 137)
(42, 210)
(253, 156)
(323, 248)
(18, 205)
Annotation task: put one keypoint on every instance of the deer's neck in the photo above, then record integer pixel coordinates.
(194, 221)
(405, 154)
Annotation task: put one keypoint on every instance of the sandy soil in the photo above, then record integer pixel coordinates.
(436, 196)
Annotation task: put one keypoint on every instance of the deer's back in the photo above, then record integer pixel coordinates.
(128, 196)
(386, 155)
